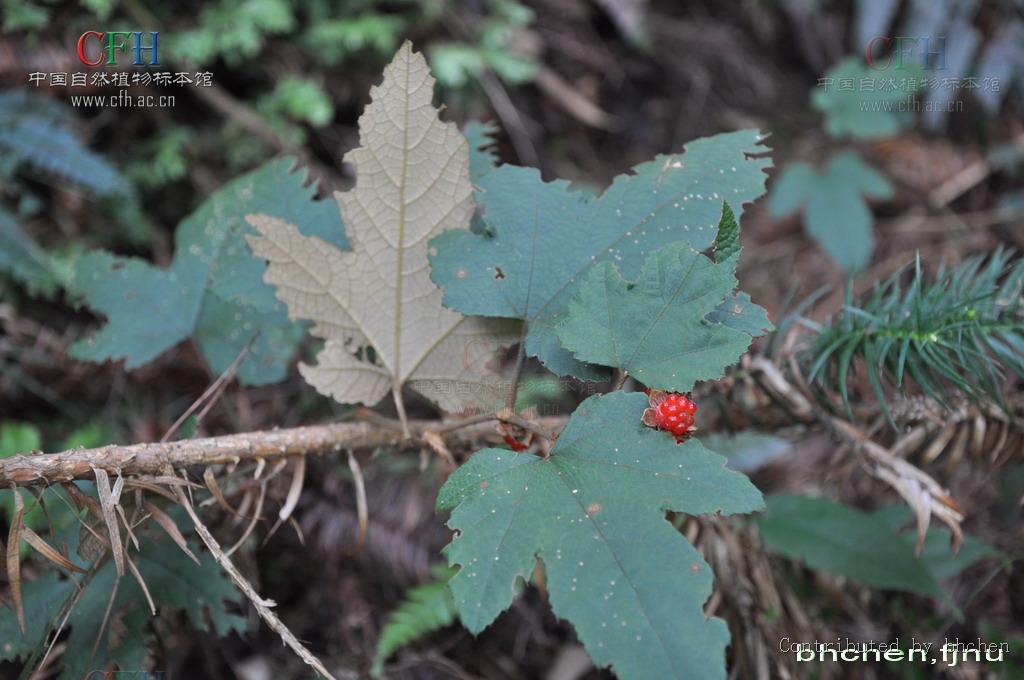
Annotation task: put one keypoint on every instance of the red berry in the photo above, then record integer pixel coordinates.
(514, 443)
(672, 412)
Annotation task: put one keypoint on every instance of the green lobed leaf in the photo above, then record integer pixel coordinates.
(482, 159)
(542, 237)
(414, 182)
(200, 590)
(739, 313)
(864, 547)
(864, 103)
(127, 647)
(594, 513)
(213, 290)
(655, 327)
(835, 212)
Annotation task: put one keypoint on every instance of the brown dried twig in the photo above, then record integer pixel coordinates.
(919, 489)
(153, 459)
(263, 607)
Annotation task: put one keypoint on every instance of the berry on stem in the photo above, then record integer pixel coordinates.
(672, 412)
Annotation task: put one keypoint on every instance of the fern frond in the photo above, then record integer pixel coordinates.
(43, 140)
(425, 609)
(53, 150)
(961, 331)
(23, 259)
(24, 104)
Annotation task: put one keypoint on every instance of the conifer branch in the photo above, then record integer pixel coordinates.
(960, 332)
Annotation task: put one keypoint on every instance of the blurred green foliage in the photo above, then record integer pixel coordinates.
(457, 64)
(834, 205)
(40, 150)
(332, 40)
(864, 103)
(175, 583)
(213, 291)
(865, 547)
(232, 30)
(280, 58)
(52, 510)
(295, 99)
(161, 159)
(19, 16)
(857, 103)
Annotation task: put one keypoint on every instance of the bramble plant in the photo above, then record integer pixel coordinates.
(422, 283)
(614, 282)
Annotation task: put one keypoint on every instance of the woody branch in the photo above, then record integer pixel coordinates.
(154, 459)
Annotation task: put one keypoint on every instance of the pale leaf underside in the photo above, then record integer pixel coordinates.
(412, 173)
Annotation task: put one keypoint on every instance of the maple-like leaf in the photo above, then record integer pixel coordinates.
(412, 181)
(655, 327)
(542, 237)
(836, 213)
(594, 513)
(213, 290)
